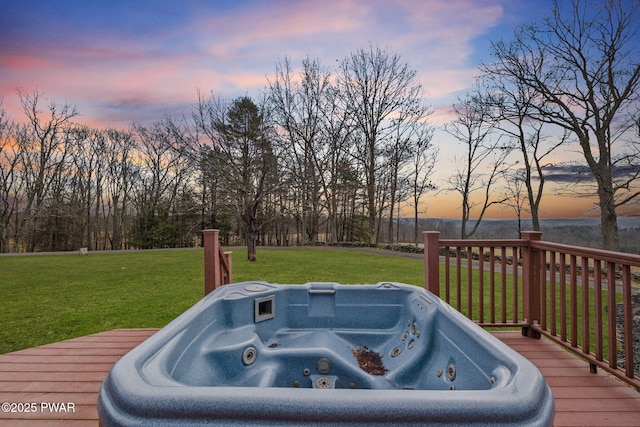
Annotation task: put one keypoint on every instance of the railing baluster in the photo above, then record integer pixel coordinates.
(597, 300)
(516, 294)
(611, 293)
(563, 297)
(543, 289)
(492, 283)
(458, 278)
(481, 284)
(447, 274)
(627, 321)
(503, 271)
(470, 282)
(586, 344)
(573, 300)
(552, 291)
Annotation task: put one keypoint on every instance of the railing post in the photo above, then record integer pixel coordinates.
(432, 261)
(531, 268)
(211, 260)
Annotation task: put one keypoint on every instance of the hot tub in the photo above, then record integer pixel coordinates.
(256, 353)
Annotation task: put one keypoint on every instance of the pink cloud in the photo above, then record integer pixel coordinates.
(20, 61)
(281, 23)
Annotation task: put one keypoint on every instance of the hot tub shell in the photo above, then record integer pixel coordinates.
(256, 353)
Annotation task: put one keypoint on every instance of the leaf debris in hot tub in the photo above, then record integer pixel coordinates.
(369, 361)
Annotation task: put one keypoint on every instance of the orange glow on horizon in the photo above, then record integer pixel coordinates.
(553, 206)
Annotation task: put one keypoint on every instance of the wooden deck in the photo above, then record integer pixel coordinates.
(63, 372)
(70, 373)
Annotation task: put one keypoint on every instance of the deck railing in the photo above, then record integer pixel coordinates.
(580, 298)
(217, 263)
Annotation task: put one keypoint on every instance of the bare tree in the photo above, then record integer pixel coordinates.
(86, 170)
(411, 134)
(514, 195)
(377, 88)
(582, 64)
(512, 107)
(483, 161)
(243, 156)
(44, 146)
(11, 180)
(422, 166)
(341, 175)
(159, 184)
(120, 170)
(298, 105)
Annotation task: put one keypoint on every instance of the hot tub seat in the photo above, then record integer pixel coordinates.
(258, 354)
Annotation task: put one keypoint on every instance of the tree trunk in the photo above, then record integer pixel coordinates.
(608, 218)
(415, 224)
(251, 239)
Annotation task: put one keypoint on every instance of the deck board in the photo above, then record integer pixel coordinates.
(71, 372)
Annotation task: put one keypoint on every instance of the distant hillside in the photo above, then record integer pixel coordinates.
(572, 231)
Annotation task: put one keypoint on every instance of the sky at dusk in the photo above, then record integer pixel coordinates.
(123, 61)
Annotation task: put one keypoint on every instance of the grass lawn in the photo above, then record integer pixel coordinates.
(48, 298)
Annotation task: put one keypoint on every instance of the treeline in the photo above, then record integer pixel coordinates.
(320, 157)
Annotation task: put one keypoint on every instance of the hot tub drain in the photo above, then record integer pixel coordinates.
(323, 382)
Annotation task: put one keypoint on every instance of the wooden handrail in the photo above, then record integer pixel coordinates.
(603, 255)
(567, 293)
(217, 263)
